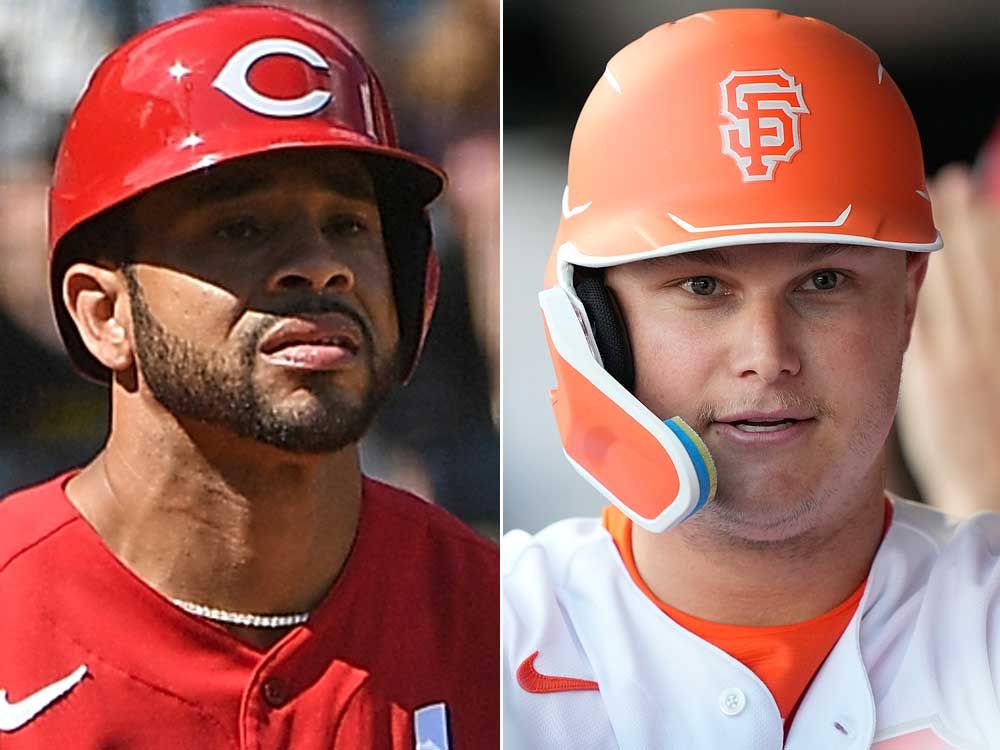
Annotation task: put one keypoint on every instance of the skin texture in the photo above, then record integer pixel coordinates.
(229, 479)
(814, 331)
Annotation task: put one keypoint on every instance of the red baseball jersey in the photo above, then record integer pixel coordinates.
(403, 652)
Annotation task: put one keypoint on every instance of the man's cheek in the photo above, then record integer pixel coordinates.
(672, 379)
(867, 357)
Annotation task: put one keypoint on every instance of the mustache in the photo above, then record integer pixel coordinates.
(707, 413)
(313, 306)
(305, 308)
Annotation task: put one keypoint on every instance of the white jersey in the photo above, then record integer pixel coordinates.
(917, 668)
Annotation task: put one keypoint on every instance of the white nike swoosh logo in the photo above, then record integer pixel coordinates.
(16, 715)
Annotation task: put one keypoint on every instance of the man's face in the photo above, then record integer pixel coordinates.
(262, 299)
(786, 359)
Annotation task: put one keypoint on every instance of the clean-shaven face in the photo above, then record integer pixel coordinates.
(786, 359)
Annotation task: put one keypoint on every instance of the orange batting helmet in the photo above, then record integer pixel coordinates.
(724, 128)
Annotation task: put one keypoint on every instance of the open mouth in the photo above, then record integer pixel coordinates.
(763, 425)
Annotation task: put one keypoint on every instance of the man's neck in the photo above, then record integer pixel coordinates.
(205, 518)
(710, 576)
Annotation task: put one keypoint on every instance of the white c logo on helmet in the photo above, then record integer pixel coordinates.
(232, 79)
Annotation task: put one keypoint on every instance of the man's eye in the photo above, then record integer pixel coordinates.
(240, 230)
(347, 226)
(823, 281)
(703, 286)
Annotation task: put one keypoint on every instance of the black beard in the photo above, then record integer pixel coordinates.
(219, 389)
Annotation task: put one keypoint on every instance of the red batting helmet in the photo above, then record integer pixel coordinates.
(225, 83)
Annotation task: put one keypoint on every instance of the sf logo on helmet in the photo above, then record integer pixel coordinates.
(763, 108)
(234, 82)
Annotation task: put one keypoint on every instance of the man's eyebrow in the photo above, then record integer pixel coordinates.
(710, 257)
(230, 187)
(811, 253)
(722, 257)
(349, 184)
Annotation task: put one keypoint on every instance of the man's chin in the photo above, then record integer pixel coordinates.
(767, 511)
(309, 436)
(312, 424)
(315, 405)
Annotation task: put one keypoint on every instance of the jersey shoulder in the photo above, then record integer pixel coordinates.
(931, 539)
(934, 525)
(552, 548)
(430, 549)
(29, 516)
(941, 561)
(541, 574)
(546, 589)
(412, 511)
(537, 571)
(930, 629)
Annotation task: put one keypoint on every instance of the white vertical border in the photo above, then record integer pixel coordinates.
(500, 386)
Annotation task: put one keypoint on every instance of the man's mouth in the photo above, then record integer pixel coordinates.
(323, 342)
(342, 342)
(766, 426)
(763, 425)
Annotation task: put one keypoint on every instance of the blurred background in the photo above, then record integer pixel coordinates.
(945, 57)
(439, 63)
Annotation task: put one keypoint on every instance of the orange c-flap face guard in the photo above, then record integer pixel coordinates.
(658, 473)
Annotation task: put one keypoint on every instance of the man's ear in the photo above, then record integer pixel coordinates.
(97, 300)
(916, 270)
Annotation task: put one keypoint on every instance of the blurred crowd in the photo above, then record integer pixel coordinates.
(439, 63)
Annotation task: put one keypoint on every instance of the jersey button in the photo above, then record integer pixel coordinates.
(275, 692)
(732, 701)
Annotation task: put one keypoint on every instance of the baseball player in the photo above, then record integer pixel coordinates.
(744, 234)
(242, 253)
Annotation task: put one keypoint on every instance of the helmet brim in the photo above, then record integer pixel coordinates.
(395, 171)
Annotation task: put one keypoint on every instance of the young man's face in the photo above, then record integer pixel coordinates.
(786, 359)
(262, 299)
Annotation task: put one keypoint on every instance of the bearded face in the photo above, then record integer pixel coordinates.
(262, 302)
(222, 387)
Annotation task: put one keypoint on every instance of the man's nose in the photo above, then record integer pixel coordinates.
(765, 345)
(311, 262)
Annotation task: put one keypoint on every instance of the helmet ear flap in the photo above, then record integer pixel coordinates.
(607, 323)
(409, 245)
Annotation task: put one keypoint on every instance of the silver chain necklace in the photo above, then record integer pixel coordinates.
(239, 618)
